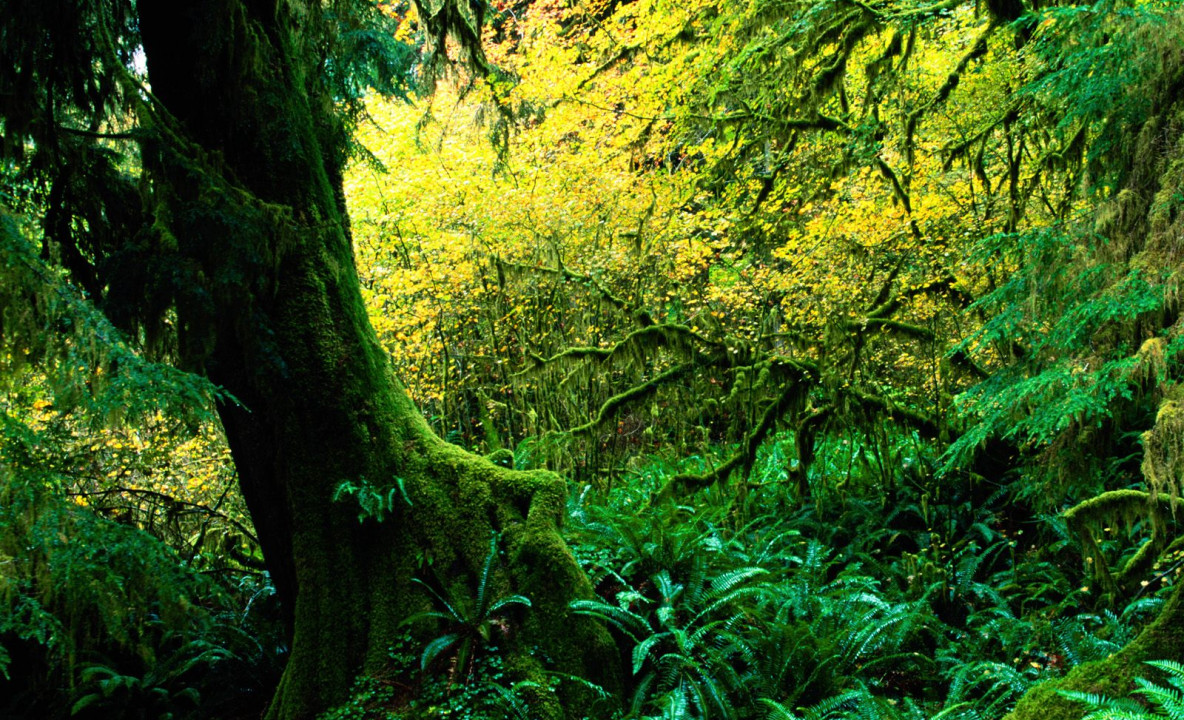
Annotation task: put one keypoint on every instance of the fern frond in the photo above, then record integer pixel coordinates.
(486, 571)
(1173, 669)
(777, 711)
(623, 619)
(505, 602)
(1170, 699)
(453, 613)
(721, 585)
(641, 651)
(823, 708)
(435, 647)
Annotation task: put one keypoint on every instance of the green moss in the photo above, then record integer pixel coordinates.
(1113, 676)
(458, 500)
(632, 396)
(1127, 506)
(1108, 506)
(289, 336)
(1106, 677)
(501, 457)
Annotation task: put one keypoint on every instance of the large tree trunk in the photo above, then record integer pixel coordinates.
(247, 195)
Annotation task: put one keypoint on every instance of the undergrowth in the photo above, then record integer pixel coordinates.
(948, 601)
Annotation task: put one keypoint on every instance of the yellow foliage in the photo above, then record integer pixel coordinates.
(476, 265)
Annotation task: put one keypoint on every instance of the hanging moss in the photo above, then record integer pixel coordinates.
(1162, 454)
(632, 396)
(1126, 507)
(791, 401)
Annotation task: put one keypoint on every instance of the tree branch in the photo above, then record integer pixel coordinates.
(793, 392)
(667, 334)
(632, 395)
(924, 424)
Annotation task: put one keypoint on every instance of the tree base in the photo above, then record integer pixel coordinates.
(442, 540)
(1113, 677)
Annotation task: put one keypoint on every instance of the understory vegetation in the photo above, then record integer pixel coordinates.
(853, 330)
(949, 601)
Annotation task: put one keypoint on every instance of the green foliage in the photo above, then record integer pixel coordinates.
(1076, 328)
(369, 700)
(1159, 700)
(367, 55)
(1084, 71)
(1070, 370)
(687, 651)
(469, 620)
(122, 588)
(484, 694)
(933, 607)
(157, 693)
(49, 328)
(372, 502)
(111, 613)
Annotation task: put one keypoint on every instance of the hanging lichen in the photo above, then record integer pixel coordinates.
(1127, 508)
(1162, 451)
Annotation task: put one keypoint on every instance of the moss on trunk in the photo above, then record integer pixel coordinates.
(1114, 676)
(246, 171)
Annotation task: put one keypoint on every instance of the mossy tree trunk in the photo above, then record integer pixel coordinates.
(1113, 677)
(246, 193)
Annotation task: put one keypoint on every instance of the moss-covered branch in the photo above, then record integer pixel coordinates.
(818, 121)
(946, 285)
(173, 502)
(1114, 676)
(792, 394)
(1109, 507)
(929, 10)
(641, 316)
(631, 396)
(669, 335)
(923, 423)
(1127, 506)
(978, 48)
(572, 353)
(895, 326)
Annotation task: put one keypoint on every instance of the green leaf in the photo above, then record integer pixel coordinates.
(435, 647)
(84, 702)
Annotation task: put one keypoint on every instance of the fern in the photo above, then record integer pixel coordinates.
(987, 688)
(687, 651)
(468, 620)
(1170, 699)
(1162, 701)
(372, 502)
(159, 691)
